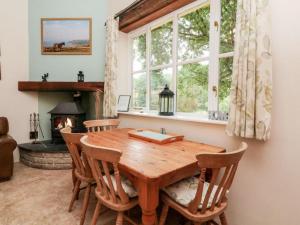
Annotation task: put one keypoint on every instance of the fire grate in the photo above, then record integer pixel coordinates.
(67, 114)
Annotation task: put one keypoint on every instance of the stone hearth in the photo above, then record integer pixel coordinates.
(45, 156)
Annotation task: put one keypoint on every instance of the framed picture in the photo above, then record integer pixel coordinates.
(66, 36)
(123, 103)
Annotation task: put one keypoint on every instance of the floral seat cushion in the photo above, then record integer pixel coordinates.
(126, 184)
(183, 192)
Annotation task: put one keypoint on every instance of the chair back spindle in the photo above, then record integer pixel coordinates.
(101, 125)
(108, 186)
(223, 167)
(74, 146)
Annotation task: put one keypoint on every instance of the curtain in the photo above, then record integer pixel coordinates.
(251, 90)
(97, 96)
(110, 81)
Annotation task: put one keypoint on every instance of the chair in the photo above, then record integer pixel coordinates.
(81, 172)
(7, 147)
(113, 190)
(201, 201)
(101, 125)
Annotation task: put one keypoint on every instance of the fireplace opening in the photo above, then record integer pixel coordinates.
(63, 122)
(66, 114)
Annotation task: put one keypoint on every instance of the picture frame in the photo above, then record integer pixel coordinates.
(66, 36)
(123, 103)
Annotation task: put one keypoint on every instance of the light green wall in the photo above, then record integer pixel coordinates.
(62, 67)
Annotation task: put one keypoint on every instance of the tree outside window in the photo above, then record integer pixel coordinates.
(181, 53)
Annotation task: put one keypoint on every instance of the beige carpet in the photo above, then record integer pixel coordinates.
(41, 197)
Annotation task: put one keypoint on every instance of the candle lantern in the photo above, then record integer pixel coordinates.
(166, 102)
(80, 76)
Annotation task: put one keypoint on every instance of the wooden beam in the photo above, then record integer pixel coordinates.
(146, 11)
(60, 86)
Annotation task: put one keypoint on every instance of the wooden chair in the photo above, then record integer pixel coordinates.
(113, 190)
(101, 125)
(82, 172)
(201, 201)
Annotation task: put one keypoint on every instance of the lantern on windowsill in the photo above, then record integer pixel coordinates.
(166, 102)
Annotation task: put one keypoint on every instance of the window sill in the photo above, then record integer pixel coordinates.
(176, 117)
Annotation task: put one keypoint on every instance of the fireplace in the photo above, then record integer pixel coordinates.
(67, 114)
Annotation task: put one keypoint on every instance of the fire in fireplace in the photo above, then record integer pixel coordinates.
(61, 123)
(67, 114)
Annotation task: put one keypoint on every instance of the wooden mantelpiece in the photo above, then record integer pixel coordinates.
(60, 86)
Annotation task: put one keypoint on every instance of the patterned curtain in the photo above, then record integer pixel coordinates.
(251, 90)
(110, 81)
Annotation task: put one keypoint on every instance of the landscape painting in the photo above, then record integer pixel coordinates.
(66, 36)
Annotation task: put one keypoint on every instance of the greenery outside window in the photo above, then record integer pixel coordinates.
(191, 50)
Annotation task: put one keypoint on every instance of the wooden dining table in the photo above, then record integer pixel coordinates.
(151, 166)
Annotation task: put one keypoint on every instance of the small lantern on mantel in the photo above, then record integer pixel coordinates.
(80, 76)
(166, 102)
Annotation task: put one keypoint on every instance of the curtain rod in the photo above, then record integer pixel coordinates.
(126, 9)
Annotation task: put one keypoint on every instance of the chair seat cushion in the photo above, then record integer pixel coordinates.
(126, 184)
(184, 191)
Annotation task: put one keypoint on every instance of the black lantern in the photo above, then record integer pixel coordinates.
(80, 76)
(166, 102)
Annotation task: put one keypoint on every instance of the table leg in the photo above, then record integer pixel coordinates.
(148, 200)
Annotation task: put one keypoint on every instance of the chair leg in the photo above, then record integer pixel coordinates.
(85, 203)
(74, 195)
(77, 194)
(96, 213)
(128, 219)
(74, 178)
(120, 218)
(223, 219)
(164, 214)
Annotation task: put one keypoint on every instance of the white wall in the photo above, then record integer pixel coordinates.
(15, 105)
(265, 191)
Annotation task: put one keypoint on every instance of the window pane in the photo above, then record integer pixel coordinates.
(192, 88)
(139, 53)
(139, 90)
(193, 34)
(159, 78)
(161, 44)
(228, 20)
(225, 83)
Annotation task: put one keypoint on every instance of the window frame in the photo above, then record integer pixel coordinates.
(213, 58)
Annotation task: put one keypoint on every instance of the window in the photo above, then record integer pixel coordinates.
(139, 77)
(191, 50)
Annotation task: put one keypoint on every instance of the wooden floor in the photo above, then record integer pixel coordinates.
(41, 197)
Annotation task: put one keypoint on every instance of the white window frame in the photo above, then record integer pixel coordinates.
(214, 48)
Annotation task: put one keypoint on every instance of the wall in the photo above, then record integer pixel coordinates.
(265, 191)
(15, 105)
(65, 68)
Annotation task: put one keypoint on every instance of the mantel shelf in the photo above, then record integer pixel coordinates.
(59, 86)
